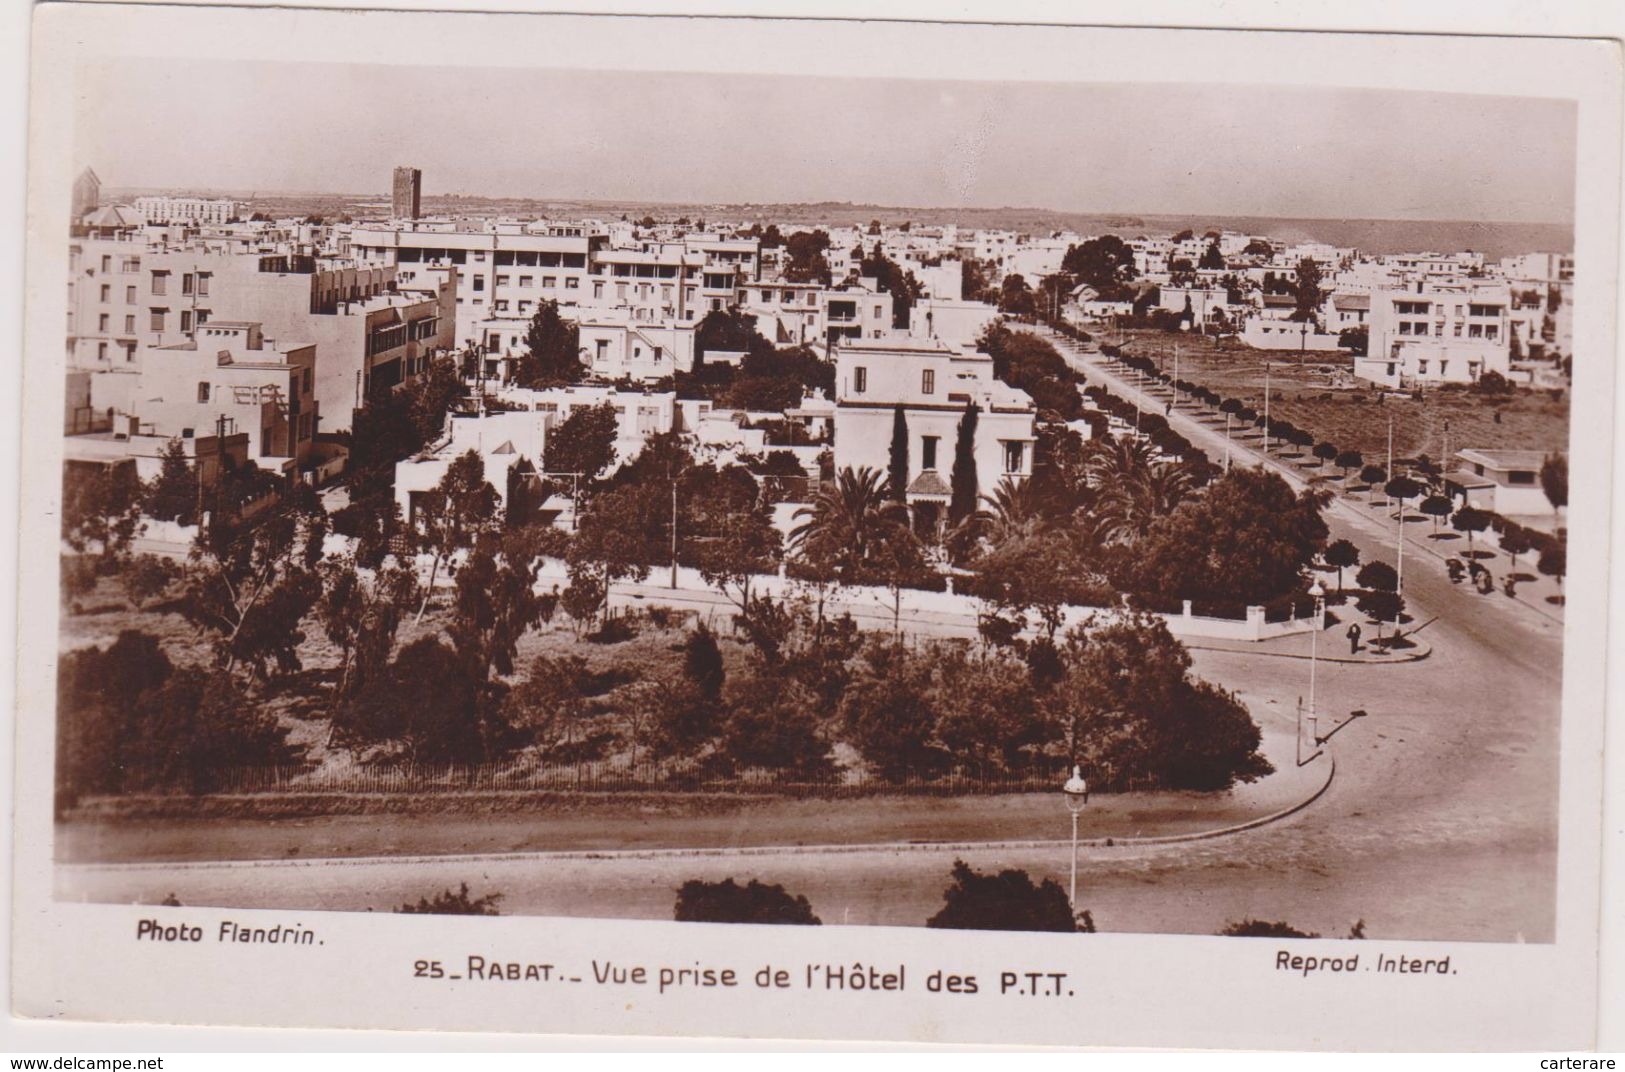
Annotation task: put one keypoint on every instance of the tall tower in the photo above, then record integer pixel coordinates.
(87, 194)
(408, 193)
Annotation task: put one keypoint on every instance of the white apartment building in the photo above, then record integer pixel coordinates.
(176, 209)
(614, 346)
(1433, 335)
(934, 383)
(227, 379)
(500, 274)
(957, 323)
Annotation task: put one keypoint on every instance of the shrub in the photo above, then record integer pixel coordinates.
(699, 901)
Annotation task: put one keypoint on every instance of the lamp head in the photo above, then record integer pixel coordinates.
(1076, 790)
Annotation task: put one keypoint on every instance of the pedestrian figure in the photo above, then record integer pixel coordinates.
(1454, 567)
(1168, 409)
(1510, 585)
(1354, 638)
(1486, 582)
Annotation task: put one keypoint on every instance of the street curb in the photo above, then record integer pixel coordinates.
(703, 853)
(1422, 651)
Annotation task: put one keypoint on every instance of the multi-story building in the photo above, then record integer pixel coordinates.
(154, 209)
(369, 333)
(1428, 334)
(615, 346)
(934, 384)
(501, 275)
(406, 193)
(228, 378)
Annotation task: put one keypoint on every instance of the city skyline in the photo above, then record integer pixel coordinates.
(729, 139)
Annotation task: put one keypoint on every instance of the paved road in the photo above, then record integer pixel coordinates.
(1441, 824)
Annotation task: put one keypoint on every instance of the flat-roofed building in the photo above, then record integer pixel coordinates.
(934, 384)
(1505, 481)
(1425, 334)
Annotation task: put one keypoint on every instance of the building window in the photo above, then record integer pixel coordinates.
(129, 295)
(1491, 331)
(928, 452)
(597, 288)
(107, 263)
(572, 283)
(186, 320)
(160, 282)
(107, 293)
(157, 321)
(129, 323)
(479, 282)
(202, 392)
(550, 281)
(928, 382)
(502, 281)
(101, 322)
(601, 351)
(129, 351)
(1475, 331)
(860, 380)
(1014, 456)
(186, 283)
(101, 351)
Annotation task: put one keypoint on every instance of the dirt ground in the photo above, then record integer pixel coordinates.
(1301, 392)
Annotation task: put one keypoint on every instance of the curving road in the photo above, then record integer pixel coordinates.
(1441, 823)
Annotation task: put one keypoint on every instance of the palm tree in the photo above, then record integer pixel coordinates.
(1012, 512)
(1133, 489)
(845, 519)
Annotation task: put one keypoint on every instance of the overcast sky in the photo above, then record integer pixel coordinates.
(1199, 149)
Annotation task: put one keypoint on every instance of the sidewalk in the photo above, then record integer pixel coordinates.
(1331, 647)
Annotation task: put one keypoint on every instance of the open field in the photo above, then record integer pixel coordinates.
(1300, 392)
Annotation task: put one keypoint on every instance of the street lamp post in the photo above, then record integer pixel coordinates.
(1319, 595)
(1076, 791)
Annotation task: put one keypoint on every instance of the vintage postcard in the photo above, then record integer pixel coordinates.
(815, 529)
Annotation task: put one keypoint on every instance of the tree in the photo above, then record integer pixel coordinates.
(838, 529)
(1306, 291)
(1356, 340)
(1381, 606)
(1132, 489)
(1554, 481)
(1373, 475)
(730, 330)
(613, 542)
(1246, 539)
(173, 493)
(454, 903)
(1554, 563)
(887, 711)
(101, 510)
(1257, 928)
(897, 483)
(1514, 542)
(454, 514)
(746, 546)
(699, 901)
(1341, 555)
(250, 584)
(552, 350)
(1347, 460)
(962, 480)
(1402, 488)
(1378, 577)
(1015, 296)
(1105, 264)
(1007, 901)
(147, 577)
(1258, 247)
(1471, 520)
(807, 261)
(583, 443)
(1212, 259)
(432, 705)
(1128, 710)
(1438, 507)
(496, 601)
(361, 611)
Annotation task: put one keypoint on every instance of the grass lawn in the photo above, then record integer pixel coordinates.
(1301, 392)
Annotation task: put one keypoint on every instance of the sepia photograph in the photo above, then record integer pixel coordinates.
(961, 501)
